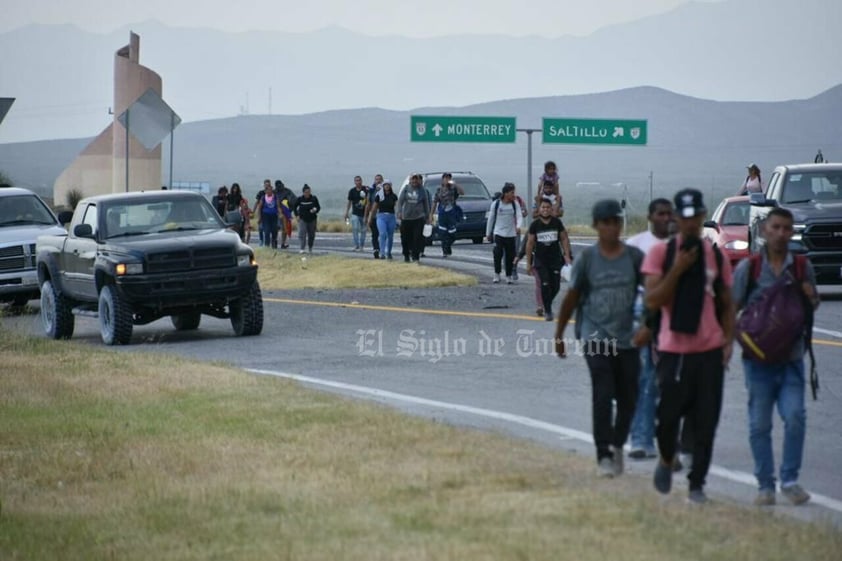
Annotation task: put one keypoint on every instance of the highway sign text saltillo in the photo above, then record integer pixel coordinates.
(425, 128)
(594, 131)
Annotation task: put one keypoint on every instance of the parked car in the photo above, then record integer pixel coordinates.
(474, 203)
(728, 228)
(23, 217)
(813, 193)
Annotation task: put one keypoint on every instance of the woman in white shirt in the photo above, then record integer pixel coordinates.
(753, 183)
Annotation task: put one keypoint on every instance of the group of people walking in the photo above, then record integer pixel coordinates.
(664, 368)
(274, 208)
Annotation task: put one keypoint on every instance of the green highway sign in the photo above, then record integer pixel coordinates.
(594, 131)
(426, 128)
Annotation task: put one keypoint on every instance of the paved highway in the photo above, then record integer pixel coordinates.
(479, 357)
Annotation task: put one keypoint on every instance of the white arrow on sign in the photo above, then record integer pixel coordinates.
(437, 129)
(618, 131)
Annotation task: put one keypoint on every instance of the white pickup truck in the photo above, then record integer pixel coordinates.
(23, 217)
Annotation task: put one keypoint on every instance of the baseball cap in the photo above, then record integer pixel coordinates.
(689, 203)
(607, 208)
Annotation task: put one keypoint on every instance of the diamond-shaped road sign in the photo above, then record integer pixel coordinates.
(5, 104)
(149, 119)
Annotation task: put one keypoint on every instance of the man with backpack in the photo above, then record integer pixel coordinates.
(502, 229)
(602, 293)
(777, 292)
(689, 283)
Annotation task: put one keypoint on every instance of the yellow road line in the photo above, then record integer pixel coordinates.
(426, 311)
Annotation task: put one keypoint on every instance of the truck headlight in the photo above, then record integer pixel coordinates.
(736, 245)
(129, 269)
(246, 260)
(798, 230)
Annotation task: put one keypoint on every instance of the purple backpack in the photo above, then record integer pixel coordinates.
(769, 327)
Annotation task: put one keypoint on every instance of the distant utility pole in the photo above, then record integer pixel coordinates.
(529, 168)
(651, 176)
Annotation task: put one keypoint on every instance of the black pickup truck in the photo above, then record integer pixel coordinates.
(813, 193)
(130, 259)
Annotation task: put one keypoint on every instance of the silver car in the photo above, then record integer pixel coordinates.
(23, 217)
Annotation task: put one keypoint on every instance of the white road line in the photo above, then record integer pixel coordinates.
(828, 332)
(564, 432)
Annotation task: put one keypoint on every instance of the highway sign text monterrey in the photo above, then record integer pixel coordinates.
(594, 131)
(462, 129)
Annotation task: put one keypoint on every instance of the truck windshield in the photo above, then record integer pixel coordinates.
(813, 186)
(127, 219)
(22, 210)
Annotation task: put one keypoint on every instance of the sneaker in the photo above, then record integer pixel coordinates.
(548, 316)
(496, 278)
(662, 477)
(406, 259)
(539, 312)
(697, 497)
(376, 254)
(605, 467)
(510, 280)
(514, 274)
(618, 460)
(795, 493)
(642, 454)
(765, 497)
(300, 251)
(389, 257)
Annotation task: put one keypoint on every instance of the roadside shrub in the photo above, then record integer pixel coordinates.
(73, 198)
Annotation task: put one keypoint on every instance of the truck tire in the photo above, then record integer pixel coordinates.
(247, 313)
(115, 317)
(56, 313)
(186, 322)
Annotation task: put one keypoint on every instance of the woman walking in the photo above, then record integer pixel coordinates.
(384, 209)
(306, 208)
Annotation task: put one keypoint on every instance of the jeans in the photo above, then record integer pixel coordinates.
(269, 230)
(613, 378)
(386, 224)
(358, 228)
(768, 385)
(643, 423)
(691, 387)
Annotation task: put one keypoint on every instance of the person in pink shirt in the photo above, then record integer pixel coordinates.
(689, 283)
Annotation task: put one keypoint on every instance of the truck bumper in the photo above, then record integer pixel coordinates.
(187, 288)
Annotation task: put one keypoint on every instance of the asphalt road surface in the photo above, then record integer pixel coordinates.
(480, 357)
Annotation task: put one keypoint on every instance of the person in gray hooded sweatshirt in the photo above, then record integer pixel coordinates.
(413, 213)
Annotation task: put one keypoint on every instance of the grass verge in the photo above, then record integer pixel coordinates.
(284, 270)
(109, 455)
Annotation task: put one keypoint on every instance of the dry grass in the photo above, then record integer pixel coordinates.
(284, 270)
(116, 456)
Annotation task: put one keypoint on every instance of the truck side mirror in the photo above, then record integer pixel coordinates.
(759, 199)
(711, 224)
(83, 231)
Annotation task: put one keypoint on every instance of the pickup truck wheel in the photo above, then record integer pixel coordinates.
(115, 317)
(247, 313)
(56, 313)
(186, 322)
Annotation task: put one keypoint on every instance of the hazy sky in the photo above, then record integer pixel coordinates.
(417, 18)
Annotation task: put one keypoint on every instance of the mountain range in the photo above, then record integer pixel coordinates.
(691, 142)
(757, 50)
